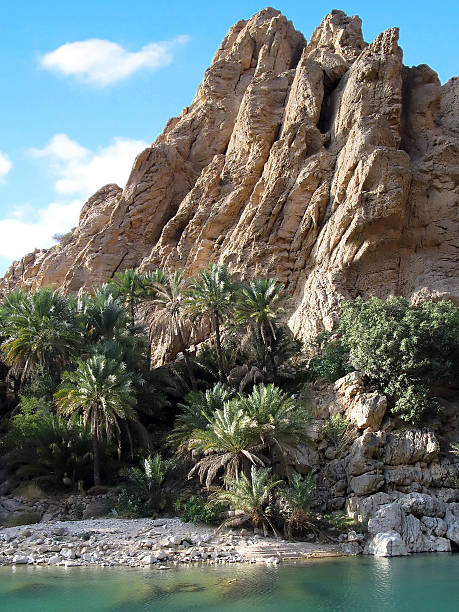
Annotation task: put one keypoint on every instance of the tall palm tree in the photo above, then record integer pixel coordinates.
(101, 391)
(211, 295)
(231, 441)
(170, 310)
(250, 496)
(258, 305)
(40, 329)
(197, 413)
(129, 287)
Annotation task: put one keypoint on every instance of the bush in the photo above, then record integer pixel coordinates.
(335, 430)
(331, 362)
(42, 444)
(196, 509)
(404, 349)
(128, 504)
(142, 494)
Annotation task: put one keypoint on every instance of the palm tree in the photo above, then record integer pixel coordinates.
(109, 329)
(282, 420)
(40, 329)
(250, 496)
(258, 306)
(129, 287)
(297, 497)
(230, 441)
(170, 303)
(197, 413)
(101, 391)
(211, 295)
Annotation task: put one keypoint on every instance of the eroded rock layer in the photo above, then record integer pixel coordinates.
(328, 165)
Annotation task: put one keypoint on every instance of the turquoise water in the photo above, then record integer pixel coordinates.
(419, 583)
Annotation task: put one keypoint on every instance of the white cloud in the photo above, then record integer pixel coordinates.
(24, 231)
(78, 172)
(103, 62)
(5, 165)
(81, 171)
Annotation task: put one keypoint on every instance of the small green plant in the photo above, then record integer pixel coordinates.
(331, 361)
(142, 494)
(296, 498)
(336, 431)
(196, 509)
(250, 497)
(128, 505)
(339, 521)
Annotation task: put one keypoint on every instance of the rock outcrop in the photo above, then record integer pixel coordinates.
(328, 165)
(398, 481)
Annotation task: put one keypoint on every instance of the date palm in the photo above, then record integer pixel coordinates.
(231, 441)
(170, 310)
(40, 329)
(101, 391)
(283, 420)
(258, 305)
(250, 496)
(211, 295)
(297, 498)
(128, 286)
(196, 414)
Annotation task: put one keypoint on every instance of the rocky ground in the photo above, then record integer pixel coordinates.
(159, 542)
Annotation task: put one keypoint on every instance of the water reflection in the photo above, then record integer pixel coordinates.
(424, 582)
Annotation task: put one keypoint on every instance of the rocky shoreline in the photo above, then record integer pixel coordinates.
(162, 543)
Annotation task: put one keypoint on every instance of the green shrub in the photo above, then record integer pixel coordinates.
(331, 363)
(335, 430)
(42, 444)
(404, 349)
(142, 494)
(196, 509)
(129, 505)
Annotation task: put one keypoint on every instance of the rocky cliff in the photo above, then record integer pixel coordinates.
(329, 165)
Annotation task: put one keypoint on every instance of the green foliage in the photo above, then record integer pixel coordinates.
(258, 305)
(142, 495)
(196, 509)
(404, 349)
(331, 362)
(211, 296)
(230, 433)
(297, 498)
(250, 496)
(101, 390)
(298, 493)
(197, 413)
(40, 329)
(41, 443)
(229, 442)
(339, 521)
(335, 429)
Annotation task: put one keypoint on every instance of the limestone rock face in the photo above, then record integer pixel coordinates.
(328, 165)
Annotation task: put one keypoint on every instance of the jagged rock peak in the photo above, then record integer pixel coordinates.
(330, 166)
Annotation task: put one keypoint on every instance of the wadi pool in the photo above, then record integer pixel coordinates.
(412, 584)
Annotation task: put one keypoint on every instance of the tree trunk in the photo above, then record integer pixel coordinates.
(184, 350)
(221, 370)
(272, 360)
(96, 459)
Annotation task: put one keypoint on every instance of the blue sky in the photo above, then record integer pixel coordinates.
(88, 84)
